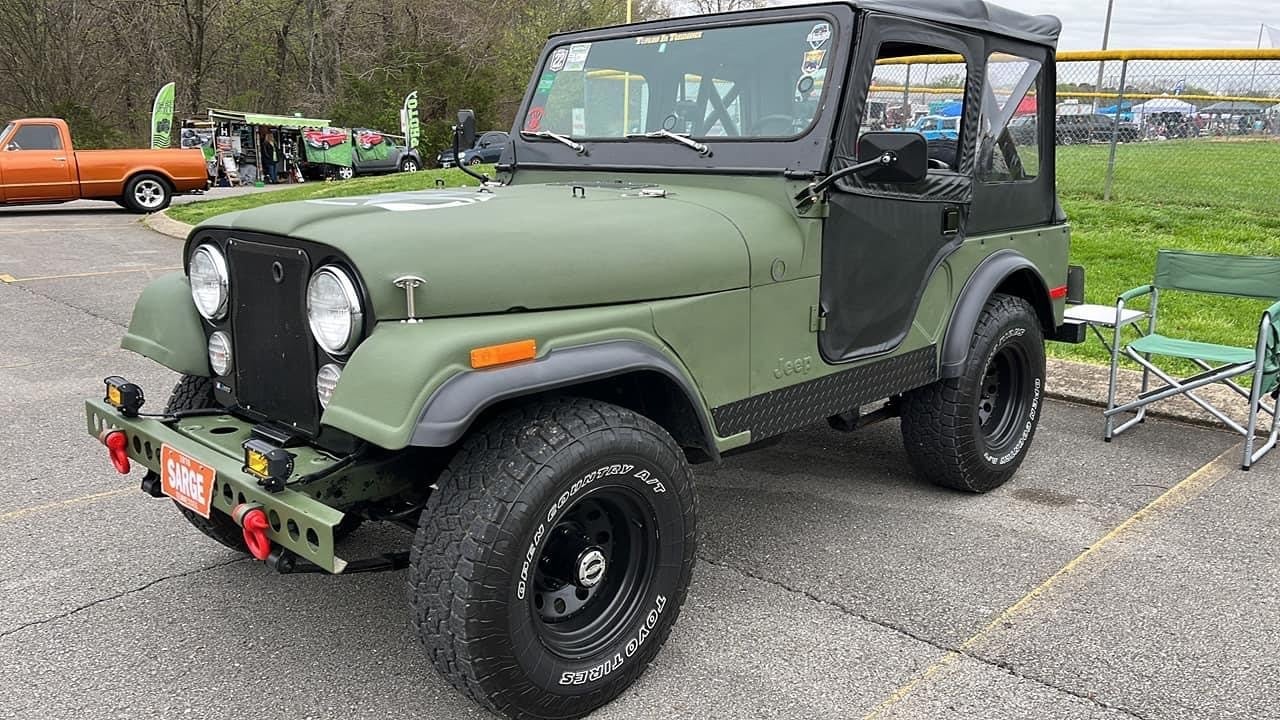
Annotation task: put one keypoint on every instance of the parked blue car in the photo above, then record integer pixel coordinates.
(488, 149)
(937, 127)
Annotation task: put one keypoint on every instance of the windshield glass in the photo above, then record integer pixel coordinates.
(749, 81)
(5, 133)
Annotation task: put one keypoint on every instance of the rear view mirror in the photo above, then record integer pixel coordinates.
(909, 152)
(465, 130)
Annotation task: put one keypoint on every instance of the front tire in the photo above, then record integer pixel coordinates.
(551, 563)
(147, 193)
(345, 173)
(475, 161)
(409, 165)
(193, 392)
(972, 432)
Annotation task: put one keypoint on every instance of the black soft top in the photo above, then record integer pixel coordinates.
(976, 14)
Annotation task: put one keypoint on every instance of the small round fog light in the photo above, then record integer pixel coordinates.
(326, 381)
(220, 352)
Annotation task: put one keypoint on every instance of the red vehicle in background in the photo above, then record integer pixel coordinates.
(325, 139)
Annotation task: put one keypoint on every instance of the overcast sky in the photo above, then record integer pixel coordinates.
(1155, 23)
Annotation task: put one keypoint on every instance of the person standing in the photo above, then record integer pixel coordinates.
(270, 157)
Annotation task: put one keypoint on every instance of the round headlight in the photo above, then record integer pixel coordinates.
(209, 281)
(220, 353)
(326, 381)
(333, 310)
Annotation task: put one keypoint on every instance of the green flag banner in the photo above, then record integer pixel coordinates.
(162, 117)
(329, 145)
(409, 125)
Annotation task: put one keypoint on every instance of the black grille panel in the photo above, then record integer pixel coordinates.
(275, 361)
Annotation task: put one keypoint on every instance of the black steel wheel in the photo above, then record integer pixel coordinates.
(553, 558)
(972, 432)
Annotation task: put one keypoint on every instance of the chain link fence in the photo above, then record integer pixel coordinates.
(1126, 121)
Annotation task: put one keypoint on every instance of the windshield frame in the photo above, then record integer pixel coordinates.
(804, 152)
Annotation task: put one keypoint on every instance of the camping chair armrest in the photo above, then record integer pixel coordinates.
(1267, 325)
(1139, 291)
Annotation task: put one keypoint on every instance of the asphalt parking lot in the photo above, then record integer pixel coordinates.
(1137, 579)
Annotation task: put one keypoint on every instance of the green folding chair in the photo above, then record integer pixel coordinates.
(1241, 276)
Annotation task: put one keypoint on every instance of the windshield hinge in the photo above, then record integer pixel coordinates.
(817, 320)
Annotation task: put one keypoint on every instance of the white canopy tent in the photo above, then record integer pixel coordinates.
(1162, 105)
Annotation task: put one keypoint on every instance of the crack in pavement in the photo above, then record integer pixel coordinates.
(117, 596)
(31, 291)
(1001, 665)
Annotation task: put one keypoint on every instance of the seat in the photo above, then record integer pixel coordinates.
(1242, 276)
(1157, 344)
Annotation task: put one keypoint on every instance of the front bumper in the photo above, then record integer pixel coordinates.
(298, 522)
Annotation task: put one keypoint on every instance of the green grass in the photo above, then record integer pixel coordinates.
(198, 211)
(1206, 195)
(1209, 196)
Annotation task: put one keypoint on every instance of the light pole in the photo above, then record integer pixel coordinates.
(1106, 36)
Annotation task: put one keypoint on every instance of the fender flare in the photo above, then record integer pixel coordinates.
(451, 409)
(964, 318)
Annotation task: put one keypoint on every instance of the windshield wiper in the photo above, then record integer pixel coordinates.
(702, 149)
(562, 139)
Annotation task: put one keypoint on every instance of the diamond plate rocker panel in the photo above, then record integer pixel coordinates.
(799, 405)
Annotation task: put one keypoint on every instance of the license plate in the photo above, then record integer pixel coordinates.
(187, 480)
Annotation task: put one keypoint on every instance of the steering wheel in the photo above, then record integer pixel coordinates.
(757, 128)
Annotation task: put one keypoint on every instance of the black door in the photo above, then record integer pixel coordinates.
(881, 243)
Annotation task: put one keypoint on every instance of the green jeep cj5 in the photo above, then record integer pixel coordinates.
(705, 232)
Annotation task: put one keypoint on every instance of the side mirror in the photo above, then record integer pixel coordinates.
(12, 146)
(465, 130)
(910, 153)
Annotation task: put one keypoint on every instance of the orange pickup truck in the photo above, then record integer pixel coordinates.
(39, 165)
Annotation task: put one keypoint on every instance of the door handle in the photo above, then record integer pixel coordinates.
(59, 159)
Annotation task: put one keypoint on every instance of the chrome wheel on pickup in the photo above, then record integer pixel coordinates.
(147, 193)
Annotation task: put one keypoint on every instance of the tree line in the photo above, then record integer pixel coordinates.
(98, 63)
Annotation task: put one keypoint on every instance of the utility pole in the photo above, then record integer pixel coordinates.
(1253, 75)
(1106, 36)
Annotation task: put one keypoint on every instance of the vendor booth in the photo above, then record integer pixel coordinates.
(252, 147)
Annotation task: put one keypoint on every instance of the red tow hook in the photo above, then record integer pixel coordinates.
(117, 447)
(253, 522)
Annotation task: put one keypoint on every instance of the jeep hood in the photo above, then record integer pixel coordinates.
(518, 247)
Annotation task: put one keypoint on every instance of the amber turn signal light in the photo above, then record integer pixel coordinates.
(490, 355)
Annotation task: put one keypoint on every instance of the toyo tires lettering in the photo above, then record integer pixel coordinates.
(531, 552)
(633, 646)
(1031, 413)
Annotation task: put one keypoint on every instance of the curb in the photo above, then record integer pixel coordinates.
(1087, 384)
(161, 222)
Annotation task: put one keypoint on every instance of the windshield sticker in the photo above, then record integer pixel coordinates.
(579, 122)
(410, 201)
(819, 35)
(577, 58)
(545, 83)
(534, 119)
(669, 37)
(556, 64)
(812, 61)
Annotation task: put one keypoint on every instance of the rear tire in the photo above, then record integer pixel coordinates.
(972, 432)
(147, 193)
(552, 561)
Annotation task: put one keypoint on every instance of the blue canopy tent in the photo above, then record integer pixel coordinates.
(952, 108)
(1125, 109)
